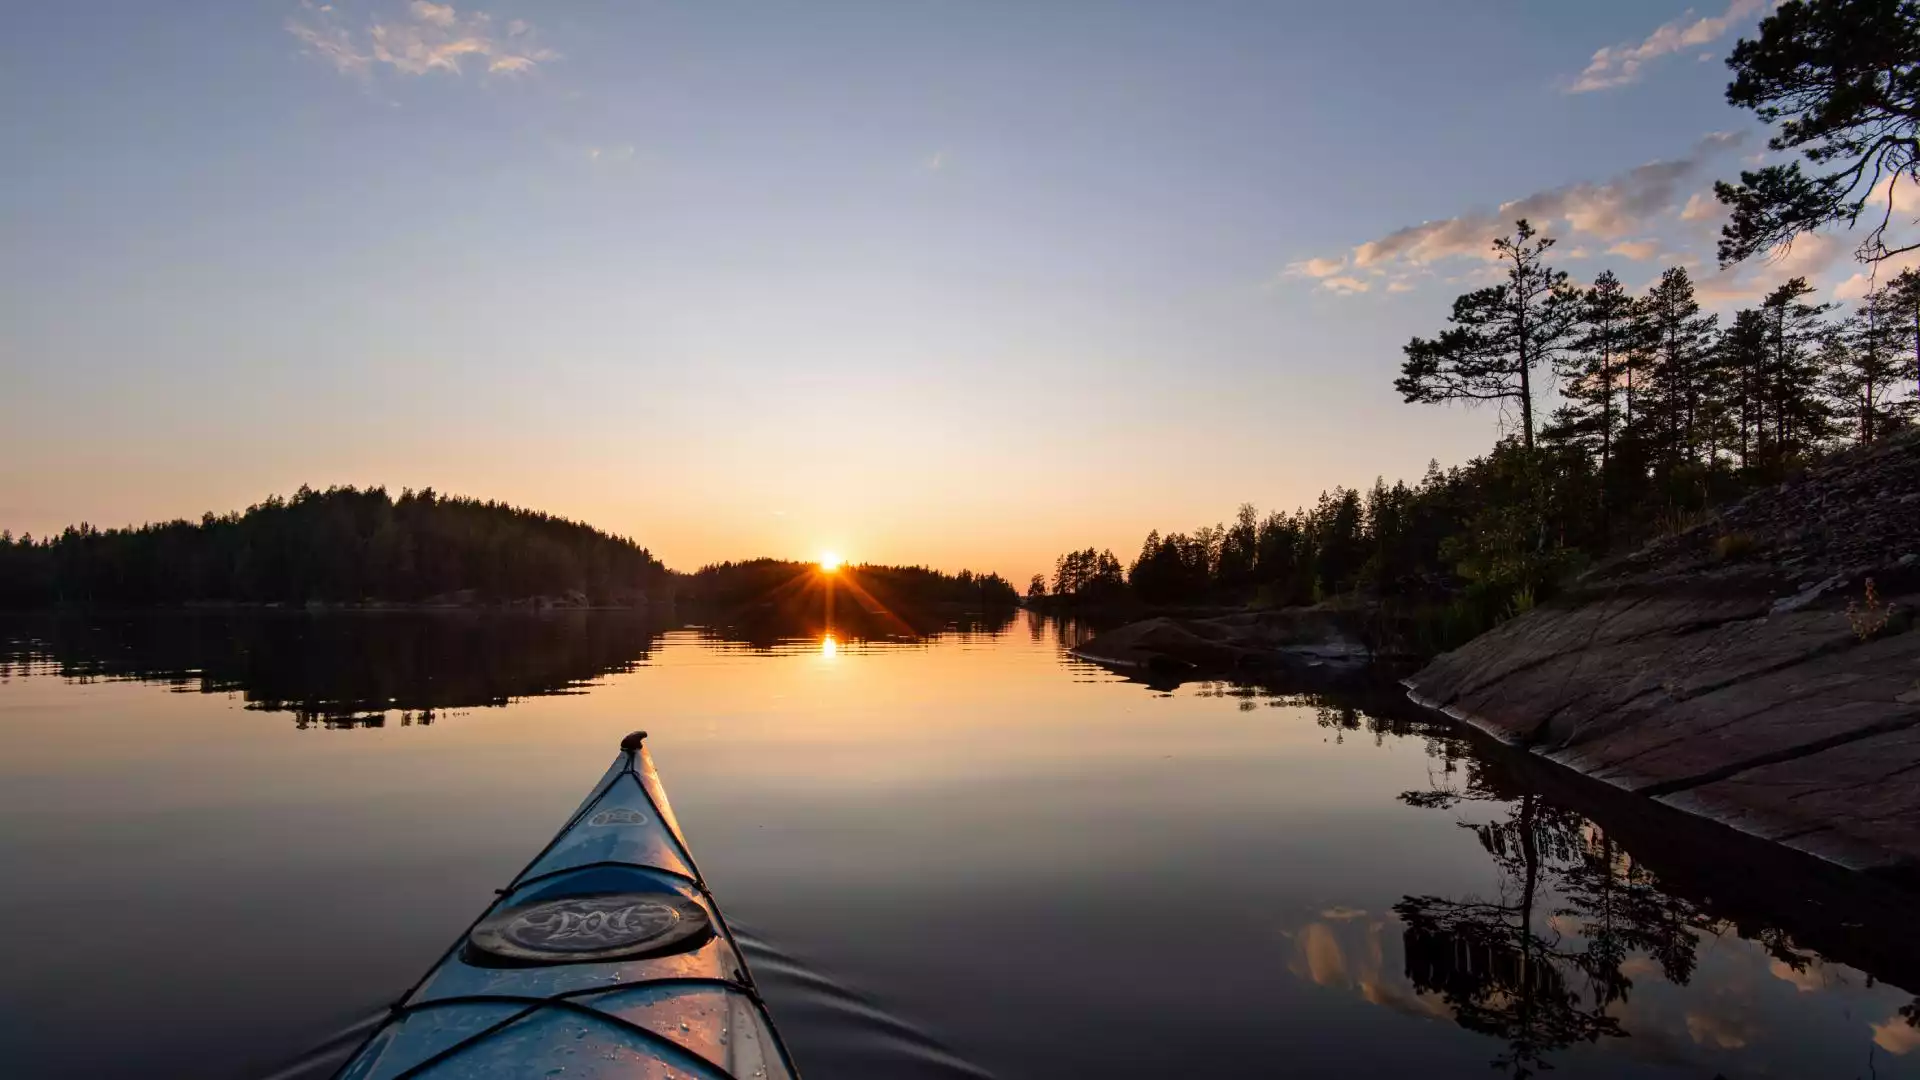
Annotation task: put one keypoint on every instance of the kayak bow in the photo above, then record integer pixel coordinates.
(607, 957)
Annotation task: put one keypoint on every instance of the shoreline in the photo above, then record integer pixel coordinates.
(1851, 858)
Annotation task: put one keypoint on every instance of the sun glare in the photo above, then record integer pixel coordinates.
(829, 648)
(829, 562)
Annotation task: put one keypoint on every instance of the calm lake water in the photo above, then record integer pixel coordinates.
(229, 838)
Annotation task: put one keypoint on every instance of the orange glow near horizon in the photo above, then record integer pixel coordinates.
(829, 562)
(829, 648)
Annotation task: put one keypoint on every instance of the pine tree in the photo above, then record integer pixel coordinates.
(1681, 337)
(1741, 359)
(1838, 78)
(1499, 336)
(1864, 360)
(1798, 419)
(1594, 371)
(1903, 307)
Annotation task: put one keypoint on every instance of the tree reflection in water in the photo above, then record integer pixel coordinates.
(1543, 963)
(1539, 965)
(365, 669)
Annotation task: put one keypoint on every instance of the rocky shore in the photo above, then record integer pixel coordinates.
(1758, 669)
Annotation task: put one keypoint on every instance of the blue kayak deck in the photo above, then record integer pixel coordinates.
(689, 1012)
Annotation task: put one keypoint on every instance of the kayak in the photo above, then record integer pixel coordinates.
(607, 957)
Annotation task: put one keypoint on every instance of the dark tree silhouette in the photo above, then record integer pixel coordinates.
(769, 601)
(1499, 337)
(1596, 373)
(1540, 964)
(1866, 354)
(1680, 339)
(342, 545)
(1742, 363)
(1838, 78)
(1089, 576)
(1903, 303)
(1800, 418)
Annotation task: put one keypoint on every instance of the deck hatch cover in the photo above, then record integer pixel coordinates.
(591, 929)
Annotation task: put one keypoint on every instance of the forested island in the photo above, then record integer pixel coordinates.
(343, 545)
(765, 600)
(347, 546)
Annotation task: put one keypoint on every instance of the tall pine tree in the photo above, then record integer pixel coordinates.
(1796, 417)
(1864, 368)
(1594, 364)
(1903, 305)
(1741, 360)
(1500, 335)
(1595, 375)
(1679, 339)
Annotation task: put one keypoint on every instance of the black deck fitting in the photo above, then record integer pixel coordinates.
(632, 742)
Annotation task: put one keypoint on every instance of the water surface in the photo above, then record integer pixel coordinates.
(229, 837)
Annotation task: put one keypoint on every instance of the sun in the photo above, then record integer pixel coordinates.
(829, 562)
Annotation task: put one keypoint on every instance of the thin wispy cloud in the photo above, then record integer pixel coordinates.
(1637, 250)
(935, 161)
(1622, 64)
(418, 39)
(1316, 268)
(1702, 206)
(1611, 210)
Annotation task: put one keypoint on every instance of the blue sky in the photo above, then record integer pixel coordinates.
(963, 283)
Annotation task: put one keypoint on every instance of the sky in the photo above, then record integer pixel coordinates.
(951, 282)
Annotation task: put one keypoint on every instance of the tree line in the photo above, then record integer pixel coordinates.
(762, 582)
(1664, 410)
(1655, 409)
(341, 545)
(768, 602)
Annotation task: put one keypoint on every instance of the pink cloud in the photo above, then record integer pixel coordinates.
(1618, 65)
